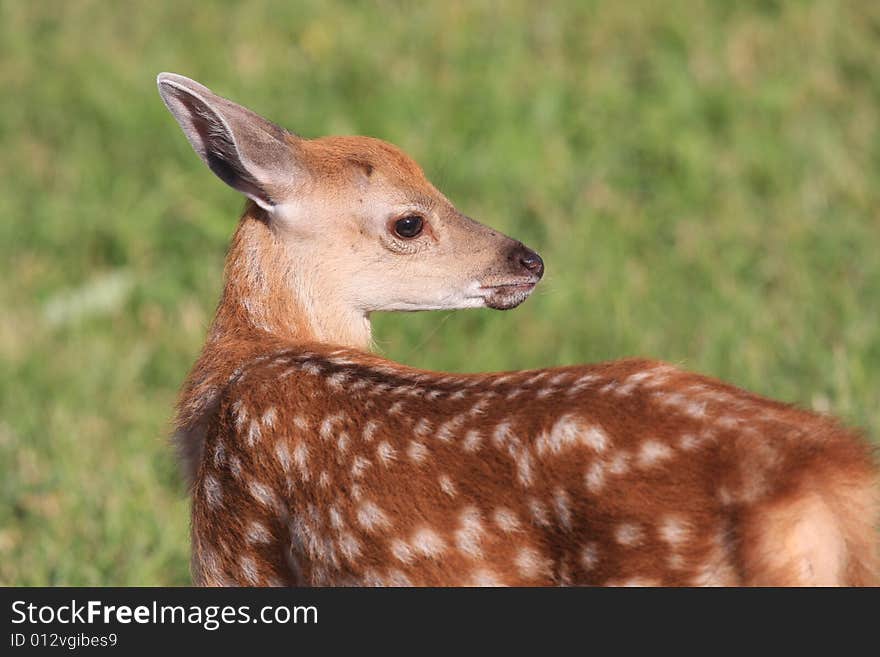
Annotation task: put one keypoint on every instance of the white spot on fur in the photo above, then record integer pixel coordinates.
(530, 563)
(638, 377)
(396, 407)
(447, 485)
(311, 368)
(696, 410)
(506, 520)
(326, 430)
(448, 429)
(337, 380)
(219, 454)
(675, 561)
(539, 512)
(619, 464)
(523, 458)
(254, 433)
(716, 571)
(240, 413)
(397, 578)
(258, 534)
(359, 466)
(248, 570)
(725, 496)
(652, 453)
(479, 407)
(564, 575)
(235, 466)
(502, 434)
(485, 578)
(594, 478)
(535, 378)
(336, 520)
(370, 430)
(423, 427)
(371, 517)
(582, 383)
(213, 492)
(569, 431)
(269, 417)
(596, 439)
(301, 458)
(628, 534)
(589, 556)
(472, 440)
(342, 442)
(625, 389)
(387, 454)
(673, 530)
(402, 551)
(349, 546)
(301, 423)
(282, 453)
(469, 536)
(263, 494)
(427, 543)
(563, 507)
(659, 376)
(416, 452)
(358, 384)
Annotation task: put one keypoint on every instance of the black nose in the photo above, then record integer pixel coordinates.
(530, 260)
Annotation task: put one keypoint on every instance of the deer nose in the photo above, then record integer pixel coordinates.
(530, 260)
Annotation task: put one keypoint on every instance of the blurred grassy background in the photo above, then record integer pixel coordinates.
(702, 178)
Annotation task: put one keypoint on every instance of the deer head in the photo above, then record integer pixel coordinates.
(344, 226)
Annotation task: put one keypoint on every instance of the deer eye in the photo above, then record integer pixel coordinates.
(409, 226)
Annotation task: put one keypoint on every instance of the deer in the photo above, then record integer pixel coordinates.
(313, 461)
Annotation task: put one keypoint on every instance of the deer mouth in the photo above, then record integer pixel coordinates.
(505, 296)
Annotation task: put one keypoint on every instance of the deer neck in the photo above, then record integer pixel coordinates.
(273, 298)
(272, 288)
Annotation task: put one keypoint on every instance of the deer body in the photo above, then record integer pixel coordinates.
(314, 462)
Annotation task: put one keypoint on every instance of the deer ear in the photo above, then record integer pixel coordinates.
(244, 150)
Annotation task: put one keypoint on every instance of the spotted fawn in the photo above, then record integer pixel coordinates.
(315, 463)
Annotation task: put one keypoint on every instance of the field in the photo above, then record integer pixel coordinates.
(701, 178)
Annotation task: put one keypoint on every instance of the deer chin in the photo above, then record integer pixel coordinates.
(507, 295)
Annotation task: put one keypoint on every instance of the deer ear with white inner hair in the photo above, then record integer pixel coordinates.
(244, 150)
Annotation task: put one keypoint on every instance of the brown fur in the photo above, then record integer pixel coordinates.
(707, 509)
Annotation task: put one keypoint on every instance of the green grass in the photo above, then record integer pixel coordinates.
(702, 179)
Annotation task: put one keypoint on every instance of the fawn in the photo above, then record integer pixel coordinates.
(313, 462)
